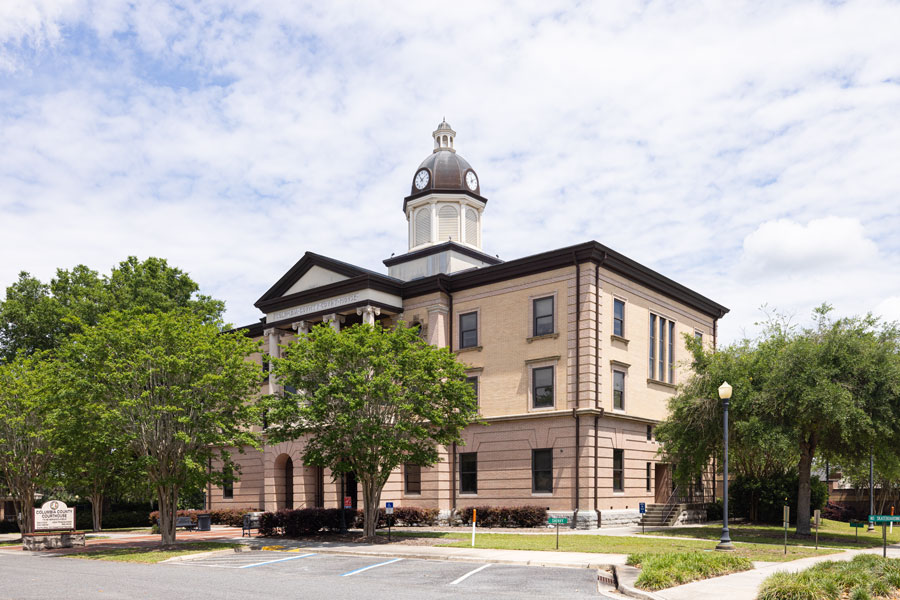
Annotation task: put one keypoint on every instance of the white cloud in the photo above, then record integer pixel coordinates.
(705, 140)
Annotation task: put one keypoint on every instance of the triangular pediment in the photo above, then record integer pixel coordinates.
(315, 277)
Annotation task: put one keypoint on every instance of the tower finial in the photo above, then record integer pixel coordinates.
(444, 137)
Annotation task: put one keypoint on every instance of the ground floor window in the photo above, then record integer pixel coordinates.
(618, 470)
(542, 470)
(412, 475)
(648, 477)
(228, 485)
(468, 473)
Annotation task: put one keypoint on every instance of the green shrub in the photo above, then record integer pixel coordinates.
(762, 500)
(505, 516)
(865, 577)
(664, 570)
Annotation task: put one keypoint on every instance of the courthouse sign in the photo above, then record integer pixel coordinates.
(54, 516)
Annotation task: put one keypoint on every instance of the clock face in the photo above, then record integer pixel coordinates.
(421, 179)
(471, 181)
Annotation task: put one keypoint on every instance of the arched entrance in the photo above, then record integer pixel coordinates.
(284, 482)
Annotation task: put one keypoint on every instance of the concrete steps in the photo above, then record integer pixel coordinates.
(656, 515)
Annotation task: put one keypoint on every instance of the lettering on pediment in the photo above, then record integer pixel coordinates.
(314, 307)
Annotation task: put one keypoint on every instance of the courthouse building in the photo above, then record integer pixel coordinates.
(574, 354)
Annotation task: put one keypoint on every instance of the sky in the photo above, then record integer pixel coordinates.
(750, 151)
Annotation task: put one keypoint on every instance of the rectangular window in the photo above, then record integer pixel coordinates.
(473, 381)
(699, 336)
(652, 346)
(661, 359)
(543, 316)
(542, 387)
(468, 330)
(618, 390)
(619, 318)
(228, 485)
(649, 433)
(648, 477)
(468, 473)
(542, 470)
(618, 470)
(671, 352)
(412, 478)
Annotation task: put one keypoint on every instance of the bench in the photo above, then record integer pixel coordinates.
(186, 523)
(251, 521)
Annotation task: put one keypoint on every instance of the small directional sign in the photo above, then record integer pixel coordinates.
(884, 518)
(389, 508)
(858, 524)
(558, 520)
(642, 507)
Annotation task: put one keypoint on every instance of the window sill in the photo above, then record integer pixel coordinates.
(469, 349)
(412, 495)
(467, 495)
(541, 494)
(618, 338)
(542, 408)
(546, 336)
(618, 411)
(665, 384)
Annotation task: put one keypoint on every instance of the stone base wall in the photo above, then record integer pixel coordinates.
(691, 515)
(620, 518)
(47, 541)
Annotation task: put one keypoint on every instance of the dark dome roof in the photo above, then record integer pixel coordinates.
(447, 171)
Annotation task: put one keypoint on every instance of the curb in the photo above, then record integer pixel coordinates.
(625, 577)
(196, 556)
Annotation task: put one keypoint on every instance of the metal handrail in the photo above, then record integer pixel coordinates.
(674, 496)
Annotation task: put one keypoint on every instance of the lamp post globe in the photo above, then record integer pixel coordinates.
(725, 542)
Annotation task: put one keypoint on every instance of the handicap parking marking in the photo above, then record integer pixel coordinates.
(469, 574)
(277, 560)
(360, 570)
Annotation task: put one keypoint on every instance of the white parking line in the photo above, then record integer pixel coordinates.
(469, 574)
(278, 560)
(349, 573)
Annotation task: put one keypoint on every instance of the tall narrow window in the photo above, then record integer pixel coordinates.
(652, 371)
(423, 226)
(661, 359)
(543, 316)
(412, 477)
(448, 224)
(471, 227)
(468, 473)
(619, 318)
(648, 477)
(618, 470)
(473, 381)
(699, 336)
(671, 354)
(542, 470)
(542, 387)
(468, 330)
(228, 485)
(649, 433)
(618, 390)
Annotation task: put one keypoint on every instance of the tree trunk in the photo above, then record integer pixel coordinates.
(97, 510)
(371, 499)
(168, 508)
(804, 468)
(23, 503)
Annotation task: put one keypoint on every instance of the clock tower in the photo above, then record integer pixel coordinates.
(444, 213)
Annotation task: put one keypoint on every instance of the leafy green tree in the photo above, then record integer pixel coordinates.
(29, 318)
(177, 390)
(369, 400)
(27, 430)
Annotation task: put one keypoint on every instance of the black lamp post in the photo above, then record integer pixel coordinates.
(343, 510)
(725, 542)
(871, 490)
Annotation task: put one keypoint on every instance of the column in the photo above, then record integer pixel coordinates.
(335, 320)
(368, 313)
(300, 326)
(273, 336)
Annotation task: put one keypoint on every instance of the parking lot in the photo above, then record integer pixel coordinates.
(415, 577)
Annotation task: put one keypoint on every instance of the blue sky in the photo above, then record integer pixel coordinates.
(749, 151)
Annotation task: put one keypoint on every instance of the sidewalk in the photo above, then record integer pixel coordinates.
(744, 586)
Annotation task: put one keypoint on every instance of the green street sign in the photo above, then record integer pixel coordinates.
(884, 519)
(558, 520)
(858, 524)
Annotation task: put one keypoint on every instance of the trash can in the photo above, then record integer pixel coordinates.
(203, 522)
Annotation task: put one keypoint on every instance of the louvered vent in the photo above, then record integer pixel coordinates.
(471, 226)
(423, 226)
(448, 224)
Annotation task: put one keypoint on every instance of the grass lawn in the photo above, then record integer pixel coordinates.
(611, 545)
(150, 555)
(660, 571)
(10, 542)
(832, 534)
(866, 577)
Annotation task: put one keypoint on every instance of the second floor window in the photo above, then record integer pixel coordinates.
(473, 381)
(619, 318)
(618, 390)
(543, 316)
(662, 349)
(468, 473)
(542, 387)
(468, 330)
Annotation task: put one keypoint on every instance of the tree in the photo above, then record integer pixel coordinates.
(27, 429)
(369, 400)
(178, 390)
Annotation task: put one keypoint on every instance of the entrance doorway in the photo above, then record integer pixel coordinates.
(663, 483)
(289, 483)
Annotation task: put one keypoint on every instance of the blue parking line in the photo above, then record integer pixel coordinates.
(278, 560)
(354, 572)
